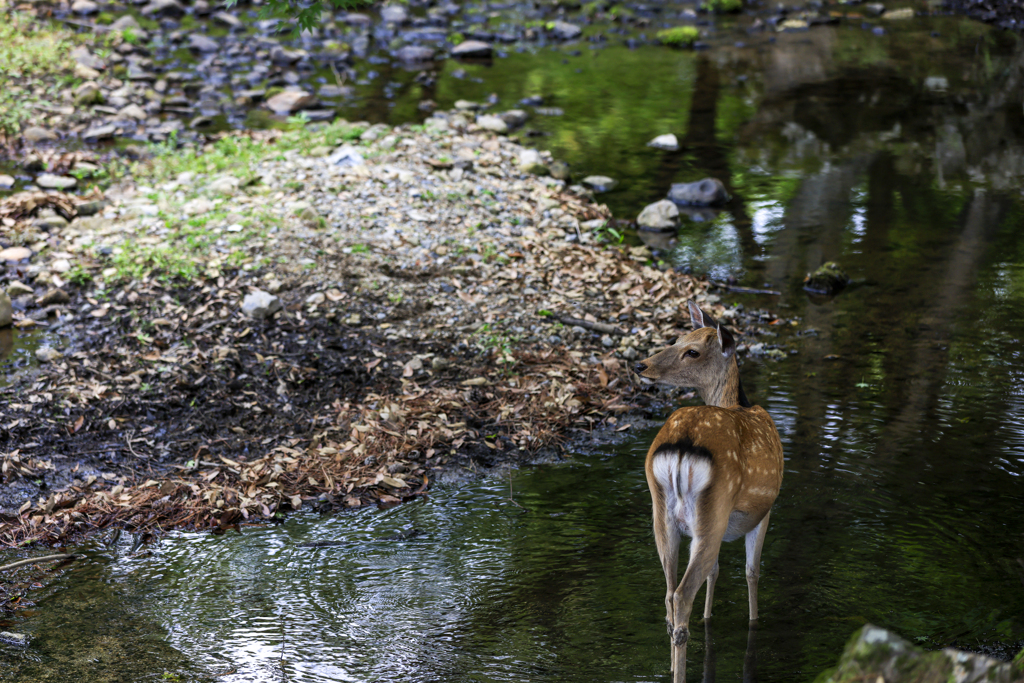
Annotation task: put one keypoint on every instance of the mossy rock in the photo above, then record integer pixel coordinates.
(874, 654)
(679, 36)
(722, 6)
(827, 280)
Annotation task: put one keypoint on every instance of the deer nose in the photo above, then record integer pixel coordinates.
(639, 368)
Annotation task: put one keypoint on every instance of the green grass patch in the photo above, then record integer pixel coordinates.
(31, 55)
(679, 36)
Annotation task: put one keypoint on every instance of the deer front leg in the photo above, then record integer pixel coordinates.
(754, 541)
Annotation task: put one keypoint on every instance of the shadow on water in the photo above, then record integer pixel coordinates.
(901, 412)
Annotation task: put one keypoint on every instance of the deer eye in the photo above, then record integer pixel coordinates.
(692, 353)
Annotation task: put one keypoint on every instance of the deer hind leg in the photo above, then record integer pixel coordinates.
(712, 519)
(754, 542)
(712, 578)
(666, 536)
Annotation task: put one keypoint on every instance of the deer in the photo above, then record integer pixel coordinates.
(714, 472)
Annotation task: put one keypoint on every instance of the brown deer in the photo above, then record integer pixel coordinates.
(714, 471)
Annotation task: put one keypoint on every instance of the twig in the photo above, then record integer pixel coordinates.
(338, 78)
(510, 490)
(33, 560)
(744, 290)
(587, 325)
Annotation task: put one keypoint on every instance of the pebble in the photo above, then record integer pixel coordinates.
(565, 30)
(47, 354)
(53, 296)
(260, 305)
(225, 184)
(16, 288)
(531, 161)
(662, 215)
(415, 53)
(13, 638)
(36, 134)
(346, 156)
(899, 14)
(472, 48)
(492, 123)
(84, 7)
(50, 181)
(706, 192)
(394, 14)
(61, 265)
(227, 19)
(6, 181)
(14, 254)
(290, 101)
(316, 298)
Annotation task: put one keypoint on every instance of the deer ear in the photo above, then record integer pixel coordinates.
(727, 341)
(696, 315)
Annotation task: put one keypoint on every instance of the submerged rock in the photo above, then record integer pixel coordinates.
(560, 170)
(668, 142)
(661, 215)
(875, 654)
(600, 183)
(706, 192)
(826, 280)
(472, 48)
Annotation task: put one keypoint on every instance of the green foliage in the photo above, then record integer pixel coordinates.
(679, 36)
(456, 38)
(306, 14)
(722, 6)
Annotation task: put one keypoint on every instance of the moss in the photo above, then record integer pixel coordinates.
(827, 280)
(1017, 666)
(679, 36)
(722, 6)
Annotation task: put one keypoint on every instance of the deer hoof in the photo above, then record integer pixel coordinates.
(680, 636)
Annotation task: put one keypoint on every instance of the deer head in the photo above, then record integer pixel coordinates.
(705, 359)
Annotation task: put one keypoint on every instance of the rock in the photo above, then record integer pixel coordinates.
(88, 93)
(97, 133)
(706, 192)
(92, 208)
(61, 265)
(668, 142)
(14, 638)
(82, 55)
(53, 296)
(201, 43)
(467, 105)
(225, 184)
(86, 73)
(36, 134)
(335, 91)
(514, 117)
(472, 48)
(306, 213)
(346, 156)
(600, 183)
(827, 280)
(316, 298)
(283, 57)
(50, 223)
(290, 101)
(6, 181)
(531, 161)
(15, 254)
(6, 310)
(227, 19)
(33, 164)
(164, 8)
(47, 354)
(357, 19)
(16, 289)
(415, 53)
(394, 14)
(126, 23)
(898, 14)
(875, 654)
(55, 182)
(133, 111)
(792, 25)
(84, 7)
(260, 305)
(565, 30)
(874, 9)
(560, 170)
(492, 123)
(661, 215)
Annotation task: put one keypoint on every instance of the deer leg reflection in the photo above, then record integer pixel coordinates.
(709, 654)
(750, 659)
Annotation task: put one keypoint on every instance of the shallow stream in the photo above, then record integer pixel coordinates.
(902, 417)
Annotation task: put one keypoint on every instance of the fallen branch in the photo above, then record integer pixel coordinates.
(33, 560)
(603, 328)
(744, 290)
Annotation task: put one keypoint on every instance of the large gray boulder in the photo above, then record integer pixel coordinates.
(706, 192)
(663, 215)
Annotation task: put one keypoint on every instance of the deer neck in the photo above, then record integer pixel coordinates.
(724, 388)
